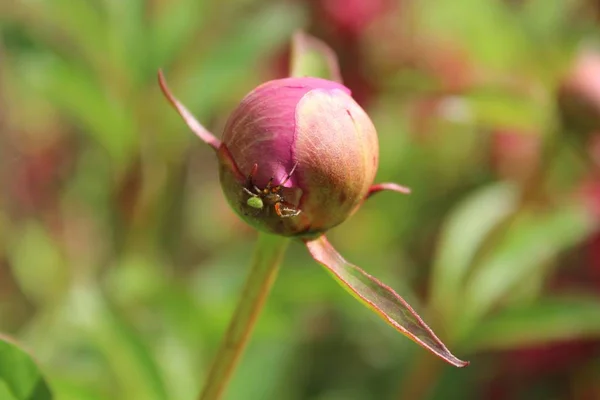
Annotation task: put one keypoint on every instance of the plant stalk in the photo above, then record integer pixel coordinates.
(268, 253)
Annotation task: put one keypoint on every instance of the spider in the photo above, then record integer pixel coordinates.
(270, 195)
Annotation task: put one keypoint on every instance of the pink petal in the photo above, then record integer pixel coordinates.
(262, 129)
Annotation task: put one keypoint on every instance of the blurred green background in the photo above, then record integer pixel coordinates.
(121, 263)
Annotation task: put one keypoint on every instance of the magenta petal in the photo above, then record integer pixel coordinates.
(380, 298)
(187, 116)
(263, 128)
(387, 186)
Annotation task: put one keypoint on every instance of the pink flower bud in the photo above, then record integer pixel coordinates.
(579, 95)
(299, 156)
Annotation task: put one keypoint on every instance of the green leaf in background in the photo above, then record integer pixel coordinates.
(493, 107)
(127, 34)
(42, 274)
(5, 392)
(68, 390)
(486, 28)
(379, 298)
(66, 25)
(20, 378)
(312, 57)
(228, 61)
(271, 354)
(464, 232)
(548, 319)
(81, 96)
(132, 363)
(174, 27)
(531, 241)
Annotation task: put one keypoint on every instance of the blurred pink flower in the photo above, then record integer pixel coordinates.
(515, 154)
(579, 95)
(353, 16)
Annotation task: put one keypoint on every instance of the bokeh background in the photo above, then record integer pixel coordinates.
(120, 262)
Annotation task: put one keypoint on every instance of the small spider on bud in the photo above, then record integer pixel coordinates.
(270, 195)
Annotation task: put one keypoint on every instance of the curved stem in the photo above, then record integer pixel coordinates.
(187, 116)
(268, 253)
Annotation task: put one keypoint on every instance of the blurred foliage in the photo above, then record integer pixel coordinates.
(20, 378)
(120, 262)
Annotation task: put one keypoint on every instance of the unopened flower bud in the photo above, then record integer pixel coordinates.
(299, 156)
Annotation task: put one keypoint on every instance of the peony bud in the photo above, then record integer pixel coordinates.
(301, 156)
(298, 157)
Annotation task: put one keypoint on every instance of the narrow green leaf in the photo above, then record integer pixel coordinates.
(503, 108)
(80, 95)
(20, 378)
(128, 354)
(527, 246)
(173, 27)
(379, 298)
(5, 392)
(486, 29)
(463, 234)
(268, 354)
(74, 389)
(547, 320)
(312, 57)
(65, 25)
(41, 274)
(230, 61)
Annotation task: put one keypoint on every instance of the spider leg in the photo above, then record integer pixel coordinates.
(286, 212)
(269, 184)
(289, 175)
(290, 213)
(278, 209)
(249, 181)
(293, 213)
(249, 192)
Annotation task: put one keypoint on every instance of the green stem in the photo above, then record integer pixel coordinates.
(267, 256)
